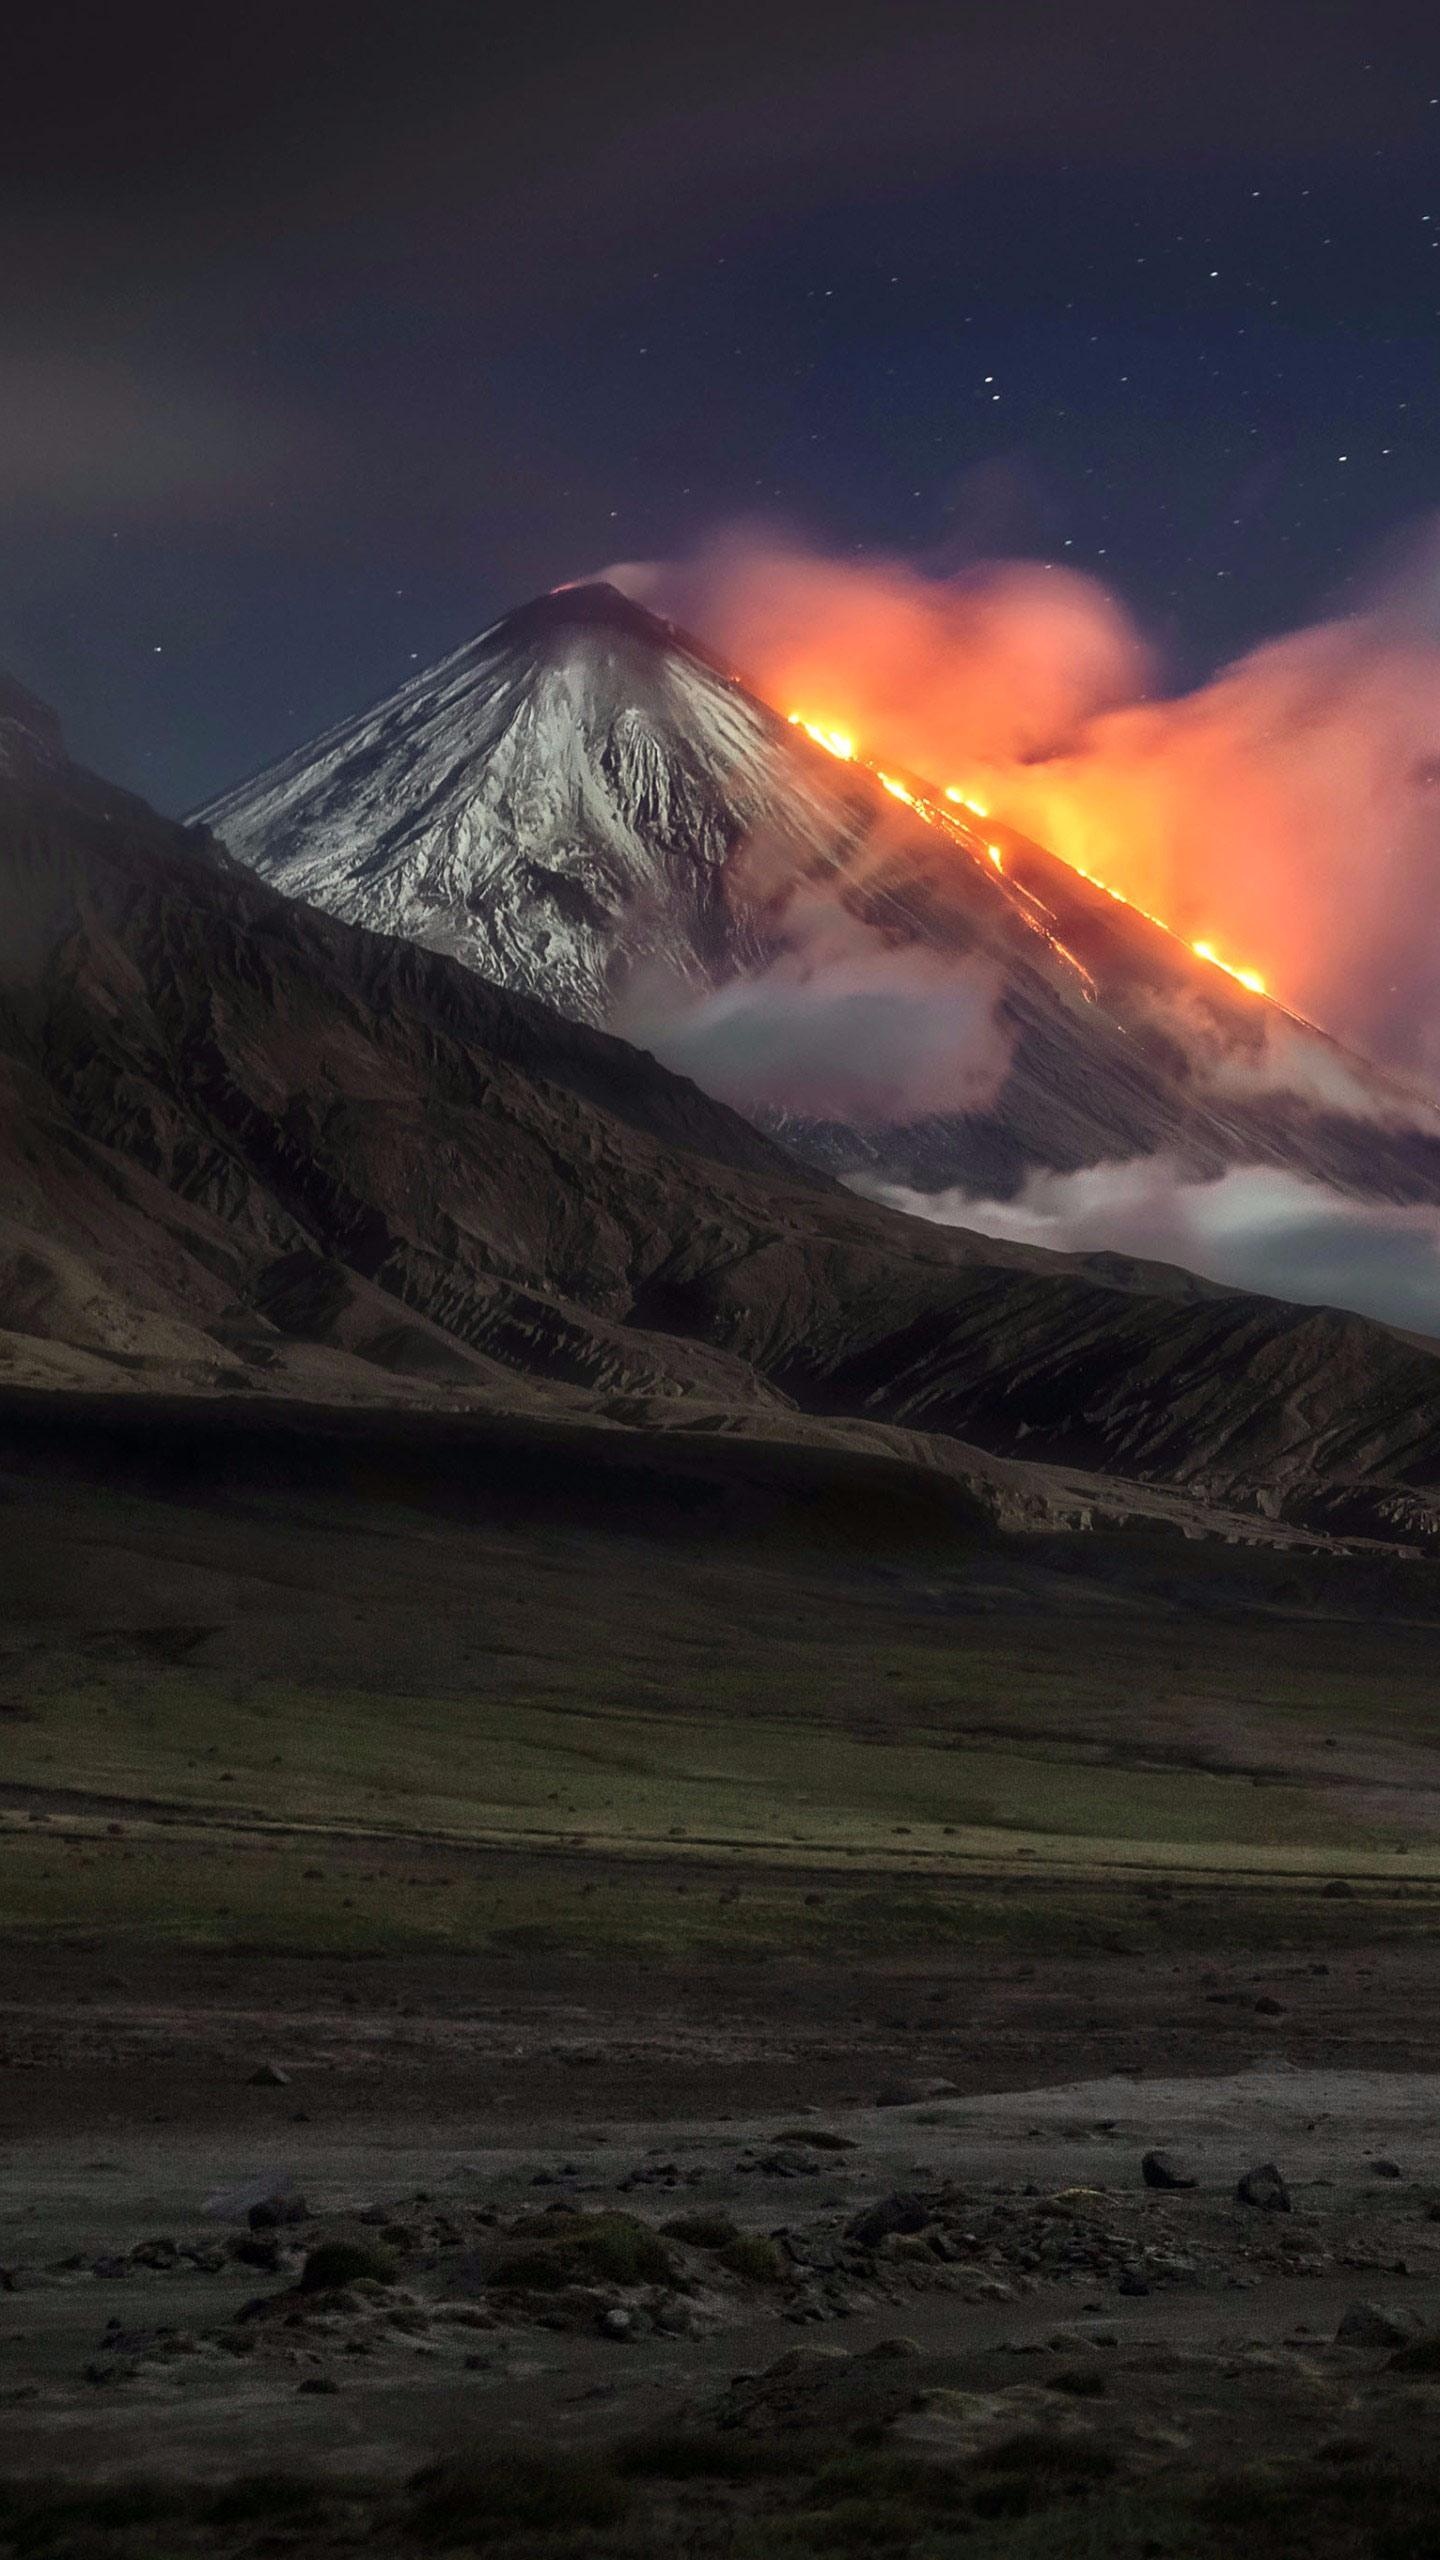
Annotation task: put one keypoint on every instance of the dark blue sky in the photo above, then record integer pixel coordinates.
(327, 334)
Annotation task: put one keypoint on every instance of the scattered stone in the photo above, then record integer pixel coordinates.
(342, 2262)
(271, 2213)
(1267, 2007)
(1162, 2169)
(892, 2215)
(158, 2254)
(1337, 1890)
(316, 2382)
(1264, 2188)
(256, 2249)
(1371, 2324)
(617, 2322)
(1132, 2284)
(269, 2076)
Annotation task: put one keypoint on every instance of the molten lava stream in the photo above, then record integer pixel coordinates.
(840, 743)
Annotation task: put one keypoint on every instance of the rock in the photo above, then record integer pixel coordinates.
(1132, 2284)
(271, 2213)
(1162, 2169)
(1266, 2007)
(160, 2254)
(893, 2215)
(1370, 2324)
(1338, 1891)
(316, 2382)
(337, 2263)
(913, 2093)
(1264, 2188)
(617, 2322)
(256, 2249)
(1386, 2169)
(269, 2076)
(886, 2350)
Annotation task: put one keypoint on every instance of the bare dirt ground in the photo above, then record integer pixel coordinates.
(717, 2005)
(537, 2096)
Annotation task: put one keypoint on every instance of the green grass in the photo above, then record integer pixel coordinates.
(236, 1895)
(278, 1728)
(341, 2262)
(600, 2248)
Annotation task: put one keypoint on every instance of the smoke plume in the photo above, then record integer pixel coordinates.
(1288, 810)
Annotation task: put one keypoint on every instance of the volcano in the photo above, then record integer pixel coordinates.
(252, 1152)
(583, 805)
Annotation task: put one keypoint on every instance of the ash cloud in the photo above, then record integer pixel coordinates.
(1005, 659)
(1254, 1228)
(1288, 810)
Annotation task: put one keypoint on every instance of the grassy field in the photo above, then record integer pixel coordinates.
(316, 1724)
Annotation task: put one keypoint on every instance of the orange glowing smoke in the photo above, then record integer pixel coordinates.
(1284, 816)
(839, 742)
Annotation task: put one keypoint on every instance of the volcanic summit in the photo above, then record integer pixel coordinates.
(584, 806)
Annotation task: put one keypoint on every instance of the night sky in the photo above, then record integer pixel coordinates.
(325, 335)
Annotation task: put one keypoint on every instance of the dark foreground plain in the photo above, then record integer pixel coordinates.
(708, 1937)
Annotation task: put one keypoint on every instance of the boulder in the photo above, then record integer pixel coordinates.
(1372, 2324)
(1162, 2169)
(1264, 2188)
(893, 2215)
(273, 2213)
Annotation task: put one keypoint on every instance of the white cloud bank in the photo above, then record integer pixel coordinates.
(1252, 1228)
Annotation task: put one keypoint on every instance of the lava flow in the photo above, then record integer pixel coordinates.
(839, 743)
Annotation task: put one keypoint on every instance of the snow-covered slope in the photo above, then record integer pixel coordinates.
(584, 807)
(561, 804)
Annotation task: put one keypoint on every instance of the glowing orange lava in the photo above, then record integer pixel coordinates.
(839, 742)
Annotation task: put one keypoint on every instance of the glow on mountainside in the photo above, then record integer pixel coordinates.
(839, 742)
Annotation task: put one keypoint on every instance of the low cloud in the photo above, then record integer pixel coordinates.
(81, 432)
(1252, 1228)
(839, 1026)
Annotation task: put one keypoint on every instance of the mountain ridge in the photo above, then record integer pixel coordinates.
(251, 1150)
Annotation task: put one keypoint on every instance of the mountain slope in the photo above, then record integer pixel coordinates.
(582, 806)
(557, 804)
(248, 1148)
